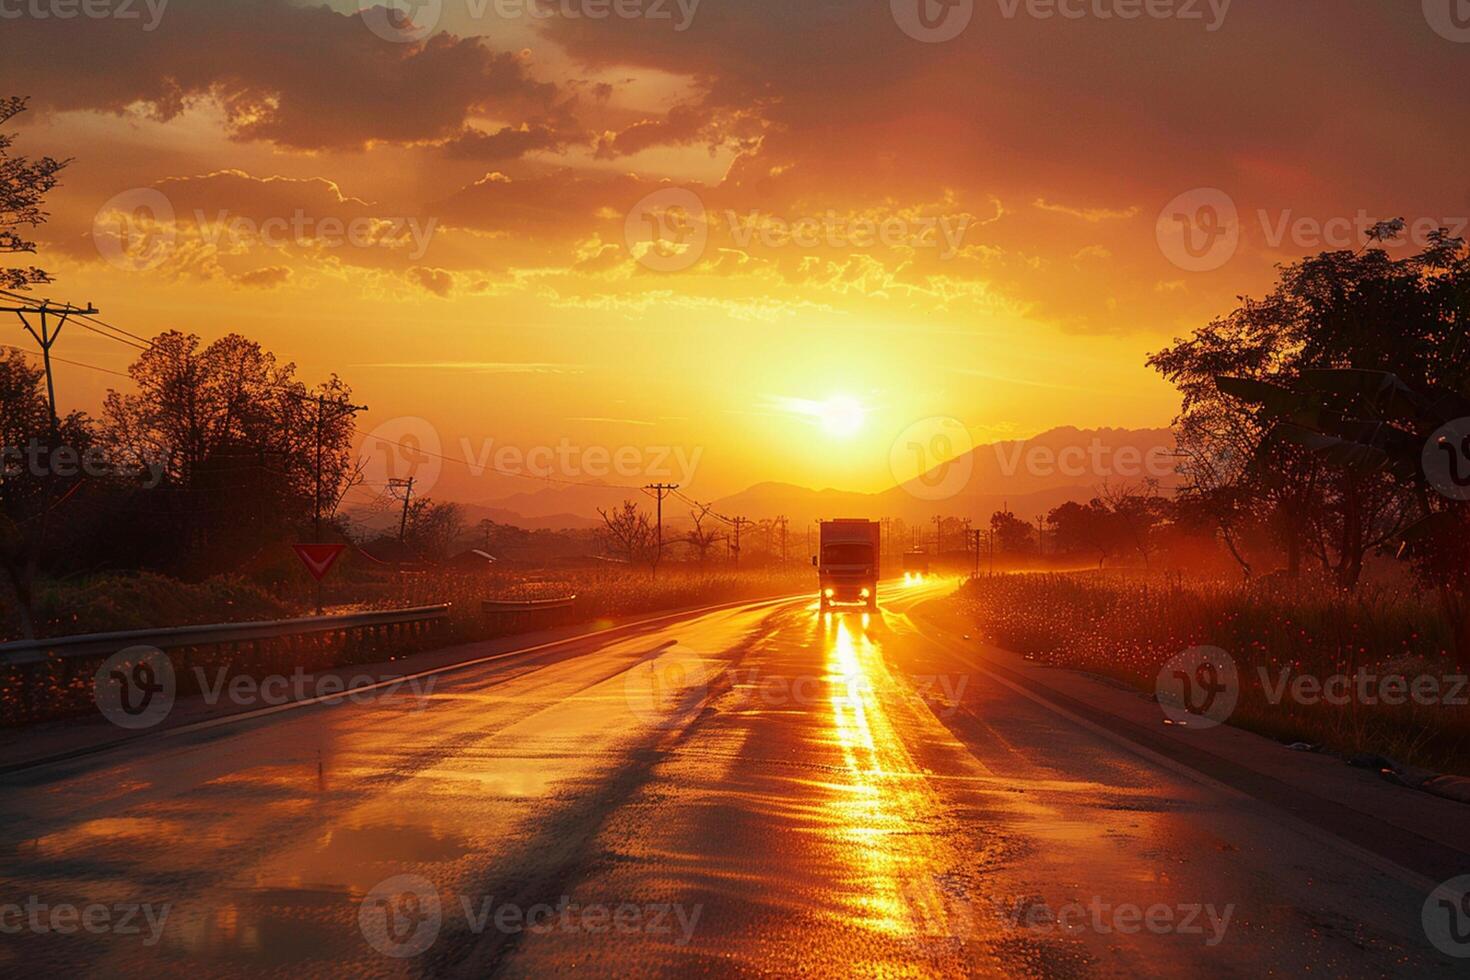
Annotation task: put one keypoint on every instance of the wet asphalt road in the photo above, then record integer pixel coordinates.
(757, 790)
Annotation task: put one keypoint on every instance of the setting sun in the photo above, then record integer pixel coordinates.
(842, 416)
(919, 487)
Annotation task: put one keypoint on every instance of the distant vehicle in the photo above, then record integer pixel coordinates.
(916, 562)
(847, 562)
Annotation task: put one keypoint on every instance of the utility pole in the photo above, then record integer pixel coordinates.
(738, 522)
(938, 535)
(316, 510)
(46, 336)
(321, 407)
(975, 533)
(781, 521)
(659, 492)
(407, 487)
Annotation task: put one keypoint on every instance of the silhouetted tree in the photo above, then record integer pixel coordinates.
(24, 183)
(627, 532)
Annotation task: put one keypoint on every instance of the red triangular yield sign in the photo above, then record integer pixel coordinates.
(318, 558)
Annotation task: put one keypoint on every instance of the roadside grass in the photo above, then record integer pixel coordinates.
(61, 688)
(617, 592)
(143, 600)
(1128, 625)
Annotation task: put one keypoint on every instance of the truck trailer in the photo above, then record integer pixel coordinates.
(847, 562)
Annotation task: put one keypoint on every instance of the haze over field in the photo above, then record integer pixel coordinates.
(1030, 476)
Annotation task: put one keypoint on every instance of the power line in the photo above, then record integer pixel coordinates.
(292, 391)
(47, 336)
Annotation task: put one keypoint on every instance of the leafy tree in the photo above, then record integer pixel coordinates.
(1386, 411)
(1334, 311)
(24, 183)
(40, 469)
(1012, 535)
(433, 528)
(236, 437)
(1084, 528)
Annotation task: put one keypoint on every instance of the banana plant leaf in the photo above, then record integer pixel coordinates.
(1344, 454)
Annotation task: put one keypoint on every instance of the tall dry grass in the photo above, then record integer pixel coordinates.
(1127, 626)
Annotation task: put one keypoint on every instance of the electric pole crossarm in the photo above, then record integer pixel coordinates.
(659, 491)
(46, 338)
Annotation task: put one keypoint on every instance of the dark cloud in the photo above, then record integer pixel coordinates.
(301, 77)
(506, 143)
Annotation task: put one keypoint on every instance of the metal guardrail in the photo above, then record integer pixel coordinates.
(24, 652)
(526, 605)
(515, 613)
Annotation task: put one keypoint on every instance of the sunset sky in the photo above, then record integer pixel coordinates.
(986, 225)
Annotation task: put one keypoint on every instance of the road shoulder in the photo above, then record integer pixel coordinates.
(1421, 833)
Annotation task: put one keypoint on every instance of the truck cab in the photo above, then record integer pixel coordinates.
(847, 563)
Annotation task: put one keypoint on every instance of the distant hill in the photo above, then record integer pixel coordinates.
(1031, 476)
